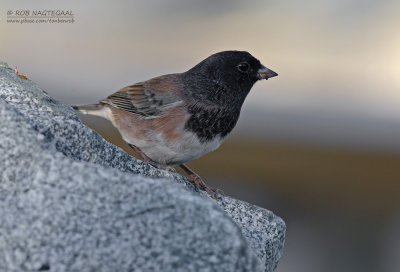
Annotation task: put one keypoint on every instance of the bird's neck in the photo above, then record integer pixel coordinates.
(214, 92)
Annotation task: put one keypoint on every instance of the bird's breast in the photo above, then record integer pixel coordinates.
(165, 140)
(208, 123)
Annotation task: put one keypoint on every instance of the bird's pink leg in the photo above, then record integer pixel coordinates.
(150, 161)
(197, 181)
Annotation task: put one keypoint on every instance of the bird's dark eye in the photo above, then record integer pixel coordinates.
(243, 67)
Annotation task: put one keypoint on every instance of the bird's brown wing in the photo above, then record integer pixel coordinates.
(144, 100)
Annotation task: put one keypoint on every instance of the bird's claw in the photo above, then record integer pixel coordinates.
(199, 183)
(162, 167)
(167, 168)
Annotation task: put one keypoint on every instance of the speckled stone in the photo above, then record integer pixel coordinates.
(71, 201)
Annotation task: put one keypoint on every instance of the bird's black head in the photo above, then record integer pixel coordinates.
(225, 78)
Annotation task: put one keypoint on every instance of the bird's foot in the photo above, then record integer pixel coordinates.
(199, 183)
(161, 166)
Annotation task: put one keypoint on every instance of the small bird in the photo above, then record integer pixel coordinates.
(175, 118)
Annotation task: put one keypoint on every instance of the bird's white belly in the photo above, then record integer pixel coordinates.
(186, 148)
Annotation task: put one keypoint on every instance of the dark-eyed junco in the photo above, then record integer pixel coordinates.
(175, 118)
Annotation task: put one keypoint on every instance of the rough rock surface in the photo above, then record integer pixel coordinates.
(71, 201)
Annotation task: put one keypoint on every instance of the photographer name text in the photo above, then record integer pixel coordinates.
(40, 16)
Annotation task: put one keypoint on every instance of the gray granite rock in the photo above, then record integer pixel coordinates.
(71, 201)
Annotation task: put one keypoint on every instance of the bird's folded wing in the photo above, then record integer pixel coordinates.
(143, 101)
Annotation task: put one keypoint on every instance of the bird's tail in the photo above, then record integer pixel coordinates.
(93, 109)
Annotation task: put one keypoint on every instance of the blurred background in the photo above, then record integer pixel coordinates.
(319, 145)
